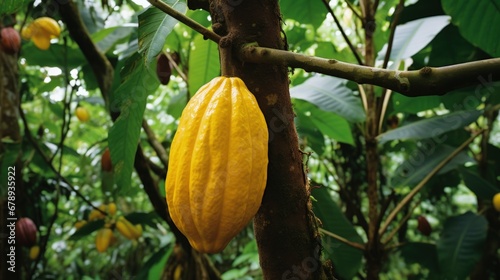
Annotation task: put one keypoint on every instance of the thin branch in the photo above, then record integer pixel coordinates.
(424, 82)
(344, 35)
(343, 240)
(422, 183)
(354, 11)
(176, 67)
(394, 24)
(362, 93)
(386, 97)
(401, 223)
(184, 19)
(160, 151)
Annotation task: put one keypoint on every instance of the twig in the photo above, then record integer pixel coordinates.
(160, 151)
(401, 223)
(394, 24)
(424, 82)
(353, 9)
(422, 183)
(184, 19)
(344, 35)
(176, 67)
(343, 240)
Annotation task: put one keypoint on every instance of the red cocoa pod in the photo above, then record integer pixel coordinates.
(26, 232)
(10, 40)
(163, 69)
(423, 226)
(106, 161)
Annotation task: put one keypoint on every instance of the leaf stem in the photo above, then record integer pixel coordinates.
(342, 239)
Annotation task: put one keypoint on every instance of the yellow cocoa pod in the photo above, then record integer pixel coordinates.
(127, 229)
(103, 239)
(96, 214)
(40, 31)
(112, 209)
(34, 251)
(218, 164)
(82, 114)
(496, 202)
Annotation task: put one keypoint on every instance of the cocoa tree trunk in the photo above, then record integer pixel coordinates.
(287, 237)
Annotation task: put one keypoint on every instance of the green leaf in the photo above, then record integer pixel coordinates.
(346, 259)
(153, 268)
(177, 104)
(328, 123)
(413, 36)
(154, 27)
(87, 229)
(12, 6)
(54, 56)
(309, 133)
(332, 95)
(304, 11)
(142, 218)
(414, 104)
(431, 127)
(477, 22)
(481, 187)
(203, 63)
(130, 99)
(107, 38)
(423, 160)
(424, 254)
(461, 245)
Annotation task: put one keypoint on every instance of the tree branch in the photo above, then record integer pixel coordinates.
(208, 34)
(344, 35)
(422, 183)
(343, 240)
(424, 82)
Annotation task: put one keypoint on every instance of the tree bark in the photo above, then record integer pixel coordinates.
(288, 240)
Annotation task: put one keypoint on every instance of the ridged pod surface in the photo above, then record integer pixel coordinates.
(218, 164)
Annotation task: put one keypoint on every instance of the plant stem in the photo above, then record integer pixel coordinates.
(343, 240)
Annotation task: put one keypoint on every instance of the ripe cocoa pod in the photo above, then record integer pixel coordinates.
(34, 252)
(112, 208)
(127, 229)
(40, 31)
(82, 114)
(10, 40)
(106, 161)
(163, 69)
(496, 202)
(218, 164)
(96, 214)
(26, 232)
(103, 239)
(423, 226)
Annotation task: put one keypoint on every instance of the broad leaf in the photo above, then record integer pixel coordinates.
(328, 123)
(130, 99)
(308, 132)
(431, 127)
(107, 38)
(414, 105)
(481, 187)
(304, 11)
(330, 94)
(203, 63)
(461, 245)
(87, 229)
(413, 36)
(346, 259)
(424, 254)
(477, 21)
(423, 160)
(154, 27)
(12, 6)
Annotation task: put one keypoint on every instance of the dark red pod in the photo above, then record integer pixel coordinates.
(26, 232)
(423, 226)
(163, 69)
(10, 40)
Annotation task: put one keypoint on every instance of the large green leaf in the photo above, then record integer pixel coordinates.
(414, 105)
(154, 27)
(308, 132)
(107, 38)
(477, 21)
(130, 99)
(431, 127)
(53, 57)
(480, 186)
(424, 254)
(11, 6)
(203, 63)
(413, 36)
(461, 245)
(423, 160)
(346, 259)
(328, 123)
(304, 11)
(330, 94)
